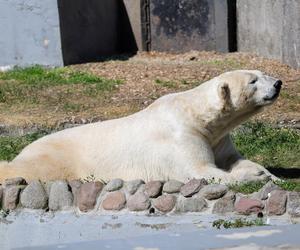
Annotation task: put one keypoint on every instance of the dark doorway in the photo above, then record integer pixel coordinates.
(92, 30)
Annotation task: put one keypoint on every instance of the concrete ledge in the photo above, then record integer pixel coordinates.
(154, 197)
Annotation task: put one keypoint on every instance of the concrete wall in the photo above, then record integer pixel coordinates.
(29, 33)
(182, 25)
(270, 28)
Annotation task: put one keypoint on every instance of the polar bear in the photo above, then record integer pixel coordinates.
(179, 136)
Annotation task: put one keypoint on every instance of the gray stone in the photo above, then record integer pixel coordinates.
(75, 186)
(172, 186)
(114, 185)
(138, 202)
(262, 194)
(88, 195)
(276, 204)
(293, 205)
(132, 186)
(1, 195)
(225, 204)
(60, 197)
(192, 187)
(114, 201)
(11, 197)
(14, 181)
(193, 204)
(165, 203)
(153, 188)
(213, 191)
(34, 196)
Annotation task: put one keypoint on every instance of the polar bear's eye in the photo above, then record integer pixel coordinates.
(253, 81)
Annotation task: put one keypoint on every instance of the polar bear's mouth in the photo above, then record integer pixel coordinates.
(271, 98)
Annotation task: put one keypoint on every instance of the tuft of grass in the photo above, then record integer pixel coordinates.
(268, 146)
(10, 147)
(238, 223)
(247, 187)
(167, 84)
(288, 185)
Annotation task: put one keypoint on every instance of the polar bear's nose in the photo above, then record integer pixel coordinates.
(277, 84)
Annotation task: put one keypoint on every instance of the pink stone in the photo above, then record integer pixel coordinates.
(138, 202)
(88, 194)
(247, 206)
(165, 203)
(192, 187)
(153, 188)
(277, 202)
(114, 201)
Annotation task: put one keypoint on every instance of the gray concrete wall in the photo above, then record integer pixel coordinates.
(182, 25)
(29, 33)
(270, 28)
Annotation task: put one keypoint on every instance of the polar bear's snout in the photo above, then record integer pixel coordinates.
(274, 91)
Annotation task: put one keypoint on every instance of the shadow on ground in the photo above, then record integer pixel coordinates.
(290, 173)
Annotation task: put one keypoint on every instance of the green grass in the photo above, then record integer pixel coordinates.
(246, 187)
(255, 186)
(167, 84)
(11, 146)
(268, 146)
(26, 84)
(238, 223)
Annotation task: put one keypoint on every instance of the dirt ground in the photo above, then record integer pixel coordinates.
(147, 76)
(150, 75)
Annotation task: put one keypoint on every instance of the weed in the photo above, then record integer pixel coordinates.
(288, 185)
(238, 223)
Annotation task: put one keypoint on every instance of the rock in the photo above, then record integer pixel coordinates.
(153, 188)
(75, 186)
(172, 186)
(225, 204)
(11, 197)
(132, 186)
(293, 206)
(138, 202)
(1, 195)
(114, 185)
(192, 187)
(247, 206)
(165, 203)
(47, 187)
(213, 191)
(114, 201)
(277, 202)
(193, 204)
(60, 197)
(14, 182)
(34, 196)
(262, 194)
(88, 194)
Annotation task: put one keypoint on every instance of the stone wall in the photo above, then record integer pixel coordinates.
(157, 197)
(270, 28)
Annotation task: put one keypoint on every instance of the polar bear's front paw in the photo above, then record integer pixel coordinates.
(250, 172)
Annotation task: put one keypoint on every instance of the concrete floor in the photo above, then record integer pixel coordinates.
(67, 230)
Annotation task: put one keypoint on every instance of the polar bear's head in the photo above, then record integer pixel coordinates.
(247, 89)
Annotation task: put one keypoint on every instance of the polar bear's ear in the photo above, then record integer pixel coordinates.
(225, 96)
